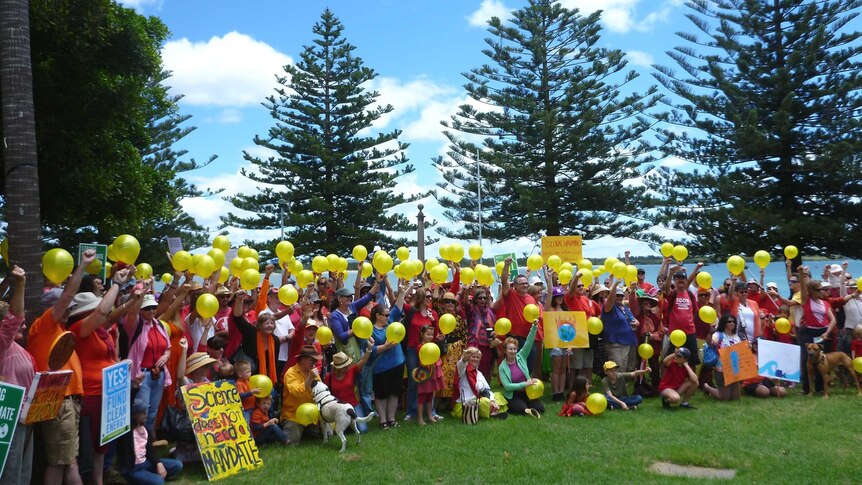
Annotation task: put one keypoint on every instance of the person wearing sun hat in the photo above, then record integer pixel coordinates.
(342, 381)
(650, 329)
(298, 381)
(619, 328)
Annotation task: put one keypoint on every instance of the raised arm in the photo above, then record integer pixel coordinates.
(72, 286)
(611, 300)
(100, 315)
(504, 278)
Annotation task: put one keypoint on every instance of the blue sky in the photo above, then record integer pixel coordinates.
(225, 54)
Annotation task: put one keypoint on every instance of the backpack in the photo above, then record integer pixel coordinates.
(710, 352)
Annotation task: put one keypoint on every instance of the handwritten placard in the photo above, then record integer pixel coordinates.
(224, 440)
(566, 330)
(46, 396)
(737, 363)
(568, 248)
(116, 401)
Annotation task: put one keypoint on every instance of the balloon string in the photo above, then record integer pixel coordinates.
(764, 292)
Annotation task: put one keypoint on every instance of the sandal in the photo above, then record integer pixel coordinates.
(384, 425)
(394, 424)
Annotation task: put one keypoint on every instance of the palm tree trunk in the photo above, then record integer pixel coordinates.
(19, 148)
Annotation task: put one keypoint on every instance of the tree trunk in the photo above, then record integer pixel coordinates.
(19, 148)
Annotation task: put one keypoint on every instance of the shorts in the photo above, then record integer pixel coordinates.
(91, 406)
(581, 359)
(389, 382)
(751, 389)
(61, 435)
(557, 352)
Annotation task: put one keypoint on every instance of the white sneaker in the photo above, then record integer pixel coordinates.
(408, 417)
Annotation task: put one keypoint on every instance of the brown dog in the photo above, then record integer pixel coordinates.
(825, 363)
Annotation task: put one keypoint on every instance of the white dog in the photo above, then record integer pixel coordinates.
(336, 412)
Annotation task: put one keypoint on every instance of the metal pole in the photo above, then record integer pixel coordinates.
(420, 234)
(281, 203)
(479, 193)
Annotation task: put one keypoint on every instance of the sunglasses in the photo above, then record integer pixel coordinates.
(383, 315)
(450, 301)
(580, 286)
(481, 298)
(428, 297)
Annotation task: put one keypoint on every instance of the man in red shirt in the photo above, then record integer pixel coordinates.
(515, 298)
(681, 308)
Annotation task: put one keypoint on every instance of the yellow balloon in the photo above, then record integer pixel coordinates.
(610, 262)
(484, 275)
(332, 262)
(859, 283)
(502, 326)
(402, 253)
(499, 268)
(167, 278)
(359, 252)
(224, 275)
(222, 242)
(243, 252)
(362, 327)
(262, 382)
(4, 249)
(586, 277)
(631, 273)
(181, 260)
(762, 259)
(236, 267)
(597, 403)
(285, 250)
(456, 253)
(307, 414)
(249, 263)
(707, 314)
(217, 256)
(57, 265)
(535, 391)
(569, 266)
(444, 251)
(596, 272)
(324, 335)
(554, 262)
(735, 264)
(94, 268)
(667, 249)
(320, 264)
(677, 338)
(439, 273)
(782, 325)
(304, 277)
(429, 353)
(619, 269)
(207, 305)
(112, 253)
(790, 252)
(476, 252)
(534, 262)
(680, 252)
(431, 263)
(857, 365)
(288, 295)
(108, 267)
(205, 266)
(531, 312)
(342, 265)
(645, 351)
(127, 248)
(249, 279)
(585, 264)
(383, 264)
(143, 271)
(467, 276)
(447, 323)
(297, 267)
(602, 269)
(395, 332)
(595, 325)
(367, 269)
(704, 280)
(565, 276)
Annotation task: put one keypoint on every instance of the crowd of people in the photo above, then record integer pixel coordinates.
(170, 346)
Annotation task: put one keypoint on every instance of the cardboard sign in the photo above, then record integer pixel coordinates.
(116, 401)
(737, 363)
(101, 255)
(222, 433)
(778, 360)
(513, 268)
(46, 396)
(175, 244)
(566, 330)
(11, 397)
(568, 248)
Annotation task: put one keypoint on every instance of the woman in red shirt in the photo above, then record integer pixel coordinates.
(342, 381)
(817, 324)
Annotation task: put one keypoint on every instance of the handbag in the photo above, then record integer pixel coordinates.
(710, 353)
(470, 411)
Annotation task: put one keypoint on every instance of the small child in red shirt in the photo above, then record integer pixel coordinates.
(576, 404)
(856, 343)
(264, 429)
(246, 393)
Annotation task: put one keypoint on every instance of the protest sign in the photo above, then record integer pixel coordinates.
(566, 330)
(174, 244)
(737, 363)
(513, 268)
(11, 397)
(222, 433)
(116, 401)
(101, 256)
(568, 248)
(778, 360)
(46, 396)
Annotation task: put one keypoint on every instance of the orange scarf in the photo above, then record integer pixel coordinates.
(266, 364)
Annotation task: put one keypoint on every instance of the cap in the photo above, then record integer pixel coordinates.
(641, 271)
(344, 291)
(642, 295)
(753, 282)
(621, 290)
(558, 291)
(149, 302)
(683, 352)
(836, 269)
(273, 290)
(50, 297)
(680, 274)
(772, 284)
(703, 291)
(139, 407)
(610, 365)
(535, 280)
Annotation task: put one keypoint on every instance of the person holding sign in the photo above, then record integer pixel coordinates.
(95, 346)
(60, 435)
(724, 336)
(16, 367)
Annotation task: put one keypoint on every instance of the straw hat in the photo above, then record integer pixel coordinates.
(341, 360)
(198, 360)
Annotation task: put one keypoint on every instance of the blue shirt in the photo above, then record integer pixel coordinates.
(616, 326)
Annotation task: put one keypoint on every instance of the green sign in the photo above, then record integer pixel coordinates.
(513, 268)
(11, 398)
(101, 256)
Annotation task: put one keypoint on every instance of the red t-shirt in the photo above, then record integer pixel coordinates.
(343, 388)
(856, 348)
(513, 309)
(579, 303)
(95, 355)
(416, 323)
(156, 347)
(765, 303)
(674, 376)
(682, 317)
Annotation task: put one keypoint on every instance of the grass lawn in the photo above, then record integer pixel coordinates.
(794, 440)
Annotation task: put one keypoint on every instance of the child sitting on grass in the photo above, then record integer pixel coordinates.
(264, 429)
(148, 468)
(576, 404)
(615, 387)
(678, 382)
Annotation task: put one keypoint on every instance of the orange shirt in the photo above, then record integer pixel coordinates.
(96, 355)
(242, 385)
(42, 334)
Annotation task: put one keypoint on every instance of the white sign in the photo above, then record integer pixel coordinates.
(777, 360)
(116, 401)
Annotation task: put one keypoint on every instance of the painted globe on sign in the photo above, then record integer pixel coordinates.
(566, 332)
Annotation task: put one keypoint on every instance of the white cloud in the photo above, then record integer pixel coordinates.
(234, 70)
(621, 16)
(640, 58)
(488, 9)
(228, 116)
(139, 5)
